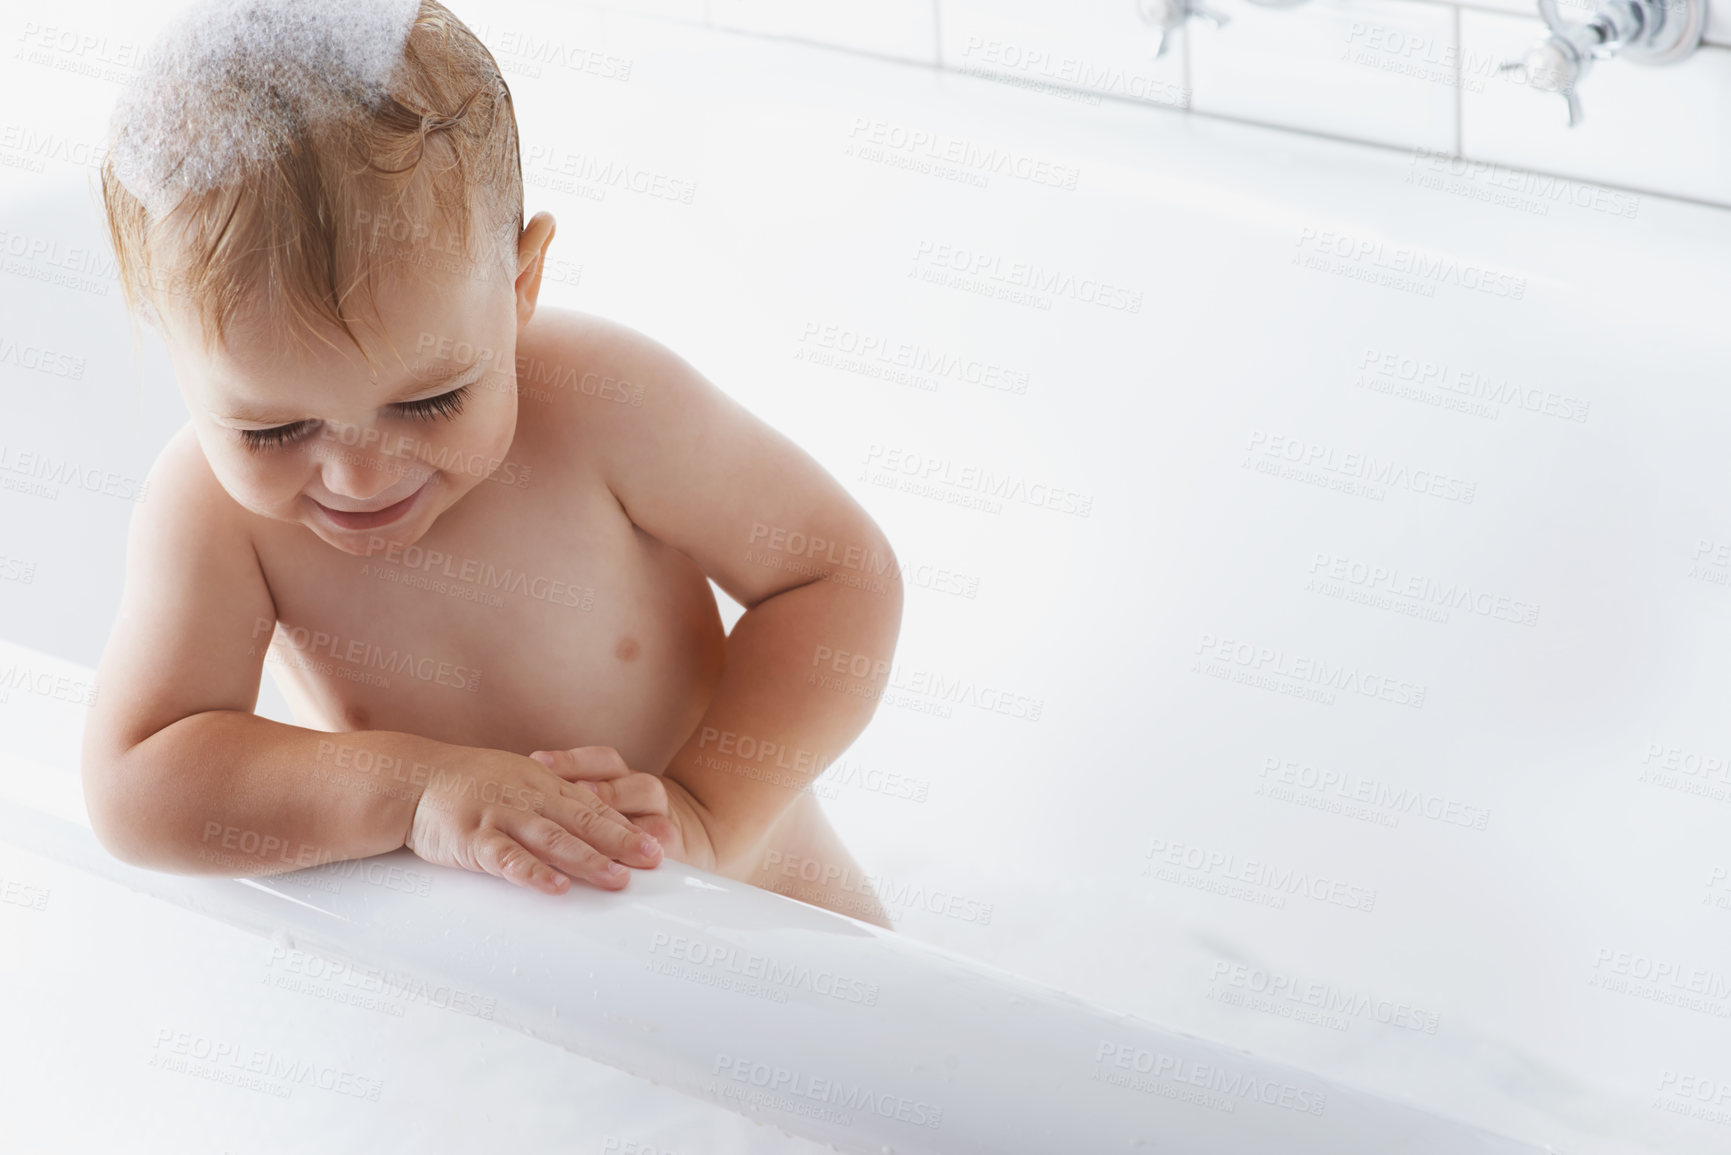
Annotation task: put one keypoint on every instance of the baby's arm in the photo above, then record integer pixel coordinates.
(696, 470)
(180, 774)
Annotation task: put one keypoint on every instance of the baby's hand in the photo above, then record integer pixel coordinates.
(511, 816)
(657, 806)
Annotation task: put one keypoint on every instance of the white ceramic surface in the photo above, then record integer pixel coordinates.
(1169, 336)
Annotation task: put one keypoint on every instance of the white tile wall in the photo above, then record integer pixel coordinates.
(688, 11)
(1414, 74)
(1666, 128)
(898, 28)
(1378, 70)
(1098, 47)
(1718, 14)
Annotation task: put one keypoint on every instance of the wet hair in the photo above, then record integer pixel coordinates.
(291, 153)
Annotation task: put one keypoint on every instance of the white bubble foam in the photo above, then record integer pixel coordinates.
(229, 81)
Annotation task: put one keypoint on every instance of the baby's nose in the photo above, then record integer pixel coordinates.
(360, 473)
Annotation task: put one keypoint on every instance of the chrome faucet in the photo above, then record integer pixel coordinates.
(1167, 16)
(1170, 15)
(1639, 31)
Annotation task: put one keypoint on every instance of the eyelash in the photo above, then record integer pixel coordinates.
(445, 405)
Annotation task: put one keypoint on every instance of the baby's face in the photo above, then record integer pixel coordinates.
(357, 454)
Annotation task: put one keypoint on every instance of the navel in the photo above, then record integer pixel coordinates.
(357, 718)
(627, 648)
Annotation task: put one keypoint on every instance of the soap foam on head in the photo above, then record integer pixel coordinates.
(229, 82)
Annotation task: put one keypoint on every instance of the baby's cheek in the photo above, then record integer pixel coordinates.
(264, 487)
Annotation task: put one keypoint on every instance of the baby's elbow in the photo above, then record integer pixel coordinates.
(120, 825)
(890, 584)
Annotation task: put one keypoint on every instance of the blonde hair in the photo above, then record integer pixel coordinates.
(315, 223)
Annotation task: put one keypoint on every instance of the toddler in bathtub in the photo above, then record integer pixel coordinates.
(472, 538)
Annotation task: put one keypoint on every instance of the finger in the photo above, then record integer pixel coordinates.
(585, 762)
(634, 795)
(604, 828)
(553, 843)
(666, 832)
(499, 854)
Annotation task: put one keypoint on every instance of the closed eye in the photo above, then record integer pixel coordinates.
(447, 405)
(444, 405)
(280, 435)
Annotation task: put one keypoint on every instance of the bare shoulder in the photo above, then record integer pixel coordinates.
(183, 495)
(191, 606)
(608, 391)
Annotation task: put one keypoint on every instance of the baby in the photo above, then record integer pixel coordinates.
(472, 538)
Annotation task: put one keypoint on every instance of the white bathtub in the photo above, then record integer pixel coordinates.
(1538, 948)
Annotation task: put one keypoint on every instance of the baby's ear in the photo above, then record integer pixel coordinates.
(531, 260)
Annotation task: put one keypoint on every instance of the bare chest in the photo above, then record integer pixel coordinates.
(522, 620)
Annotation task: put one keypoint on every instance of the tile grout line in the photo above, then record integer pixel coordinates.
(1460, 80)
(1319, 134)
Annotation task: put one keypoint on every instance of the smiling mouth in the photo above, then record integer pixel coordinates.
(371, 519)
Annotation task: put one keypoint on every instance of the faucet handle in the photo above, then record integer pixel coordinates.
(1555, 64)
(1639, 31)
(1169, 15)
